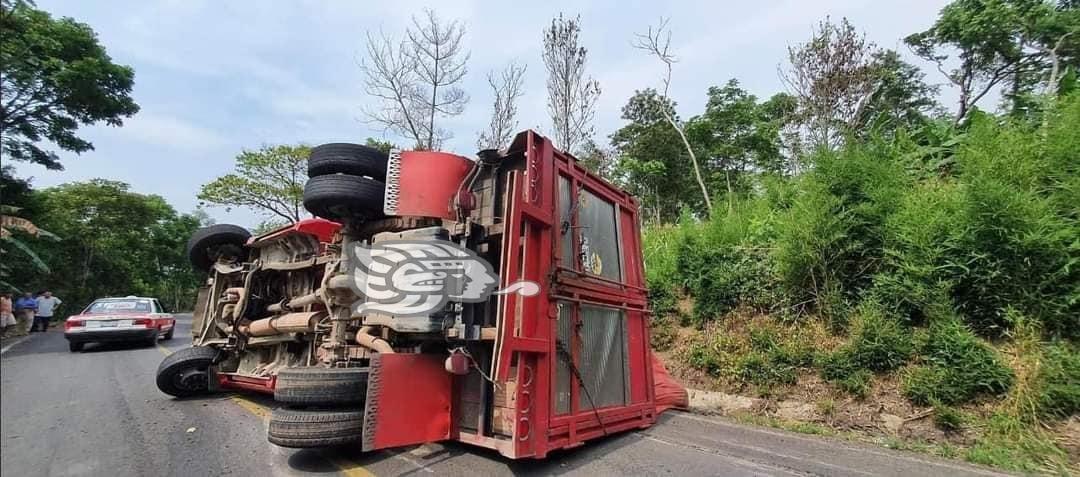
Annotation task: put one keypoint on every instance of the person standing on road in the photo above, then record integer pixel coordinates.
(7, 318)
(46, 304)
(25, 307)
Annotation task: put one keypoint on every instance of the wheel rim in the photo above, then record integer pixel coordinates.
(192, 379)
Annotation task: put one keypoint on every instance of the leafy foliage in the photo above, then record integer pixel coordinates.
(269, 181)
(956, 367)
(56, 78)
(115, 242)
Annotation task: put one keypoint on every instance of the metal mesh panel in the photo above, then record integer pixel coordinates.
(604, 365)
(563, 377)
(600, 248)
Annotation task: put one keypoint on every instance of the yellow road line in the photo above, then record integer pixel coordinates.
(345, 467)
(349, 468)
(258, 410)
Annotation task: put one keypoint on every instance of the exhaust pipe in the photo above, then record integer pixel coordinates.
(302, 322)
(367, 340)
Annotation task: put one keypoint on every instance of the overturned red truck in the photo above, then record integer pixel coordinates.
(497, 301)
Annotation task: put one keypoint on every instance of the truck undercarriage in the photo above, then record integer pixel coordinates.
(497, 301)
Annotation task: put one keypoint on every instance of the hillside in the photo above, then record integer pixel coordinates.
(925, 295)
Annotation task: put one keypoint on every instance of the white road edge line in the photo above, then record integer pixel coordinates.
(895, 454)
(13, 344)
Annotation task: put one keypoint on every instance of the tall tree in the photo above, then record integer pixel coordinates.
(56, 77)
(269, 181)
(737, 134)
(417, 79)
(652, 162)
(833, 76)
(598, 159)
(115, 242)
(657, 42)
(506, 87)
(901, 97)
(571, 94)
(997, 43)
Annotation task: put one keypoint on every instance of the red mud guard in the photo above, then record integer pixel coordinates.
(408, 401)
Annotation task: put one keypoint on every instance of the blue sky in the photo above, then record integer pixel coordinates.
(215, 77)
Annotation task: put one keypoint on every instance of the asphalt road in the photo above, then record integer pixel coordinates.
(99, 413)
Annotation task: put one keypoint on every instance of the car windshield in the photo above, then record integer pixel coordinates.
(118, 306)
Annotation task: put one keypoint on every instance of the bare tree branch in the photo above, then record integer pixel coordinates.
(571, 96)
(832, 75)
(416, 79)
(507, 88)
(657, 42)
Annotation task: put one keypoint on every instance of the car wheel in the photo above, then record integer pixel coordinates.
(304, 429)
(209, 243)
(185, 372)
(75, 347)
(351, 159)
(310, 386)
(169, 334)
(338, 196)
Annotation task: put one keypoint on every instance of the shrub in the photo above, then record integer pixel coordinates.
(723, 263)
(829, 241)
(878, 343)
(857, 383)
(957, 367)
(662, 332)
(1059, 381)
(948, 419)
(920, 253)
(1017, 247)
(763, 369)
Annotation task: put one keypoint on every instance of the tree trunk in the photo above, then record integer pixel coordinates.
(693, 160)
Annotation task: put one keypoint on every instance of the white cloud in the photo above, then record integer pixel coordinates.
(168, 132)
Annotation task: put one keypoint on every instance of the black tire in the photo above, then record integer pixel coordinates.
(169, 334)
(305, 429)
(184, 373)
(309, 386)
(75, 347)
(209, 243)
(351, 159)
(338, 196)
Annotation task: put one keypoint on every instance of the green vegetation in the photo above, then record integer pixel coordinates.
(914, 254)
(111, 241)
(56, 77)
(957, 367)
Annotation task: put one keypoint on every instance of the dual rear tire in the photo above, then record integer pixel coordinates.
(324, 407)
(345, 181)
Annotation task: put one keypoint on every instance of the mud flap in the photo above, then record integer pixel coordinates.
(408, 401)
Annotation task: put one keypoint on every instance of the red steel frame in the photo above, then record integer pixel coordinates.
(525, 347)
(527, 327)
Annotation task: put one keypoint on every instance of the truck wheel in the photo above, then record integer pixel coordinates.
(209, 243)
(338, 196)
(75, 347)
(303, 429)
(309, 386)
(184, 373)
(168, 336)
(351, 159)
